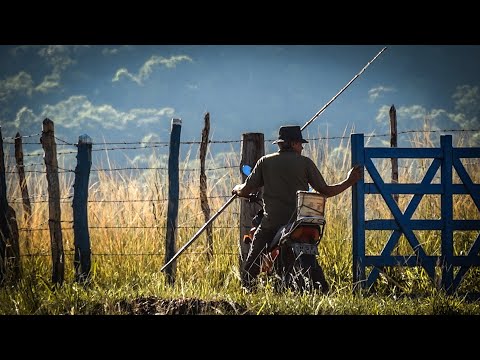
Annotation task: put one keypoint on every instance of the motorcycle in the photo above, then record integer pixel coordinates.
(291, 257)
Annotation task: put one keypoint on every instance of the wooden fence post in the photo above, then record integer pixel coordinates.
(4, 229)
(446, 173)
(82, 259)
(203, 185)
(9, 244)
(393, 143)
(54, 213)
(252, 149)
(358, 215)
(27, 208)
(173, 198)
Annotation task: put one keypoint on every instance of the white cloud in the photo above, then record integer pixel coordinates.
(78, 113)
(467, 103)
(57, 56)
(110, 51)
(49, 82)
(25, 118)
(114, 50)
(416, 113)
(147, 68)
(375, 93)
(151, 137)
(149, 116)
(466, 97)
(465, 116)
(19, 83)
(124, 72)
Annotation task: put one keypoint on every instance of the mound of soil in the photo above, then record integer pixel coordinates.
(187, 306)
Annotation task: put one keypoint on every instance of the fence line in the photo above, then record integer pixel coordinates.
(136, 254)
(125, 168)
(126, 201)
(155, 168)
(166, 143)
(126, 227)
(58, 268)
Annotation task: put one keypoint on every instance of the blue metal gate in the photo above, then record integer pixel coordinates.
(446, 158)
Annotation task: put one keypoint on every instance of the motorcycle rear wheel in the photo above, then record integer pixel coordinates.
(301, 273)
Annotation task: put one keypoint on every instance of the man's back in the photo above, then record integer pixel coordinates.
(282, 174)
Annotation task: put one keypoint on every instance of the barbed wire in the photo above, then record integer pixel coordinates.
(18, 200)
(136, 254)
(18, 137)
(122, 169)
(165, 143)
(63, 170)
(127, 227)
(107, 149)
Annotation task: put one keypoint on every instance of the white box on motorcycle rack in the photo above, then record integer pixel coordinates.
(310, 205)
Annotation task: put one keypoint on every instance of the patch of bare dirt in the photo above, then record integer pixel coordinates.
(187, 306)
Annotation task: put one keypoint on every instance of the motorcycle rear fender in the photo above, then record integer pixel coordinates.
(298, 231)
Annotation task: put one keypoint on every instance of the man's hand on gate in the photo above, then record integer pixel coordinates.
(355, 174)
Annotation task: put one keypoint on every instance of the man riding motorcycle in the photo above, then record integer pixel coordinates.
(282, 174)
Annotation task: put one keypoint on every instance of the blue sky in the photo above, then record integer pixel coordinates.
(131, 92)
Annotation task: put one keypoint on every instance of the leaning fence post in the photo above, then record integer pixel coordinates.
(358, 214)
(173, 198)
(252, 149)
(82, 260)
(9, 244)
(203, 185)
(54, 213)
(446, 173)
(27, 208)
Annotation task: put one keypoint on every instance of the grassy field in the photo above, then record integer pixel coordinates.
(128, 239)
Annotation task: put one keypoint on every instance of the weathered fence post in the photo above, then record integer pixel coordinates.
(4, 228)
(173, 198)
(393, 144)
(252, 149)
(447, 212)
(358, 214)
(54, 214)
(9, 244)
(80, 215)
(203, 185)
(27, 208)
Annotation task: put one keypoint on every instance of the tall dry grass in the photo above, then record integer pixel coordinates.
(127, 217)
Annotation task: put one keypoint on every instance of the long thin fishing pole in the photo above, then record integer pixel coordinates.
(197, 234)
(342, 90)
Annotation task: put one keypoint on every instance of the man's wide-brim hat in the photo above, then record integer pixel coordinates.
(290, 133)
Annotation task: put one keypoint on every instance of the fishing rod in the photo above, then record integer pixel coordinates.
(197, 234)
(224, 206)
(342, 90)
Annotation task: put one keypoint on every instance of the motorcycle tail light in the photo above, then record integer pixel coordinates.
(306, 233)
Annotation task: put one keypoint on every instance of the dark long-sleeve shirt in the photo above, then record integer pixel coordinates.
(282, 174)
